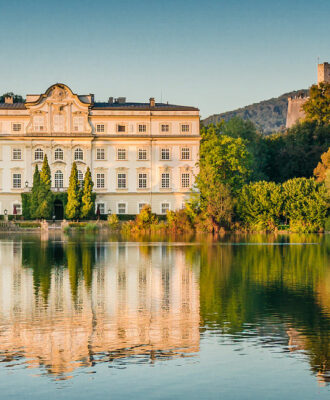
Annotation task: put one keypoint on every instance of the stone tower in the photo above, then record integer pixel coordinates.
(323, 73)
(295, 110)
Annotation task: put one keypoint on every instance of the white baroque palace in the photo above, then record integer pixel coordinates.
(138, 153)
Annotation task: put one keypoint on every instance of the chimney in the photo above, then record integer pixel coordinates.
(110, 101)
(152, 102)
(9, 99)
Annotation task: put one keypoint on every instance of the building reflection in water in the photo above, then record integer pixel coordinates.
(71, 303)
(65, 305)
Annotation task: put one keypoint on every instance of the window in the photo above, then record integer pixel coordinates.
(58, 179)
(80, 176)
(165, 181)
(121, 128)
(185, 180)
(17, 181)
(141, 205)
(100, 207)
(121, 154)
(18, 208)
(100, 154)
(100, 128)
(58, 155)
(185, 153)
(142, 154)
(100, 181)
(78, 124)
(165, 207)
(121, 181)
(121, 208)
(165, 128)
(38, 124)
(58, 123)
(165, 154)
(17, 127)
(142, 128)
(142, 181)
(78, 154)
(17, 154)
(185, 128)
(38, 154)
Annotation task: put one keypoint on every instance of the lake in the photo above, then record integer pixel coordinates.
(241, 317)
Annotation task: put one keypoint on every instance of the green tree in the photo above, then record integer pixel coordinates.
(296, 152)
(260, 205)
(35, 193)
(236, 128)
(317, 107)
(305, 204)
(16, 97)
(224, 168)
(72, 209)
(45, 195)
(87, 198)
(225, 158)
(323, 167)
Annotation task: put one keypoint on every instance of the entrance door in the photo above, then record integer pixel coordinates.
(58, 209)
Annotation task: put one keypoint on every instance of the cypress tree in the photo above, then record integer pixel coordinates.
(45, 195)
(87, 200)
(45, 175)
(72, 209)
(34, 193)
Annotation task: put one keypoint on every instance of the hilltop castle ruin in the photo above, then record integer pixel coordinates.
(295, 111)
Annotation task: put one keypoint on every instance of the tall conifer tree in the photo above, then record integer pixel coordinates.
(45, 195)
(87, 200)
(34, 193)
(72, 209)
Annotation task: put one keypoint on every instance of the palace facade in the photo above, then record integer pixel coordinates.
(138, 153)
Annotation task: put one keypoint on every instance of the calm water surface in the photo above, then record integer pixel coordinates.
(240, 318)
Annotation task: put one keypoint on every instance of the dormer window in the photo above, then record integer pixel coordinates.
(78, 154)
(38, 155)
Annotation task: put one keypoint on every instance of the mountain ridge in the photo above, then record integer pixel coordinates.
(268, 115)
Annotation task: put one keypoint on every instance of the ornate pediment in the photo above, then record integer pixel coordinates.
(59, 112)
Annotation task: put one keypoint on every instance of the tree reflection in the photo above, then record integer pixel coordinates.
(266, 285)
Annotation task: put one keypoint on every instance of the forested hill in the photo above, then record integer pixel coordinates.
(268, 115)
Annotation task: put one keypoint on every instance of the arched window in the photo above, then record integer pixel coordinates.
(38, 154)
(58, 179)
(78, 154)
(58, 154)
(80, 178)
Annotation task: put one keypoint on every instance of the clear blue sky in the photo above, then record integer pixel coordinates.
(217, 55)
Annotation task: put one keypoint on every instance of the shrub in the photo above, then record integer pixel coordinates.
(28, 225)
(179, 221)
(327, 224)
(91, 227)
(305, 204)
(260, 205)
(113, 221)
